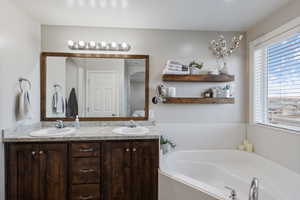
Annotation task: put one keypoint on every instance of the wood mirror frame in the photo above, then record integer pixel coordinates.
(43, 85)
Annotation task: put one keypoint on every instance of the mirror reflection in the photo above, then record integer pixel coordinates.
(95, 87)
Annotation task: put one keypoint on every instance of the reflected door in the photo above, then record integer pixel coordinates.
(102, 94)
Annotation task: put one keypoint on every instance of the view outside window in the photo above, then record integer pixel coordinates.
(283, 82)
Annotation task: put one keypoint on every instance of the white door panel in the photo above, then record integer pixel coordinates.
(103, 94)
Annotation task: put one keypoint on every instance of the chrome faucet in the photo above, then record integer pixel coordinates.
(132, 124)
(59, 124)
(253, 192)
(233, 195)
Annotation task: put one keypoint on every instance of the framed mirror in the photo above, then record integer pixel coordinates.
(96, 87)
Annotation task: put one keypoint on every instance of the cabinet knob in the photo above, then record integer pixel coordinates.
(134, 149)
(127, 149)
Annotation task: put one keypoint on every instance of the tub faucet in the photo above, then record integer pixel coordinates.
(233, 195)
(253, 192)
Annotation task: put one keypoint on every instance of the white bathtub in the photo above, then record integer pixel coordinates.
(209, 171)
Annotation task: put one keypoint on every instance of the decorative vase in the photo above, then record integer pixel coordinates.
(221, 64)
(227, 93)
(165, 148)
(224, 69)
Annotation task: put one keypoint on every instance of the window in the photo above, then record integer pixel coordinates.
(276, 83)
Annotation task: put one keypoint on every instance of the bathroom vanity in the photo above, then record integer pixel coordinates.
(92, 164)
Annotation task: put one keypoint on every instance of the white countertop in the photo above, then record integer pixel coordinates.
(83, 133)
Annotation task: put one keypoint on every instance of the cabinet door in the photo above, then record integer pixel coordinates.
(116, 170)
(22, 168)
(53, 171)
(145, 161)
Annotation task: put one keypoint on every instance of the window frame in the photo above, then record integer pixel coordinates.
(279, 34)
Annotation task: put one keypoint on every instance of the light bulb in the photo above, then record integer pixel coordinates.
(124, 45)
(81, 44)
(114, 45)
(98, 45)
(71, 44)
(76, 46)
(92, 44)
(103, 45)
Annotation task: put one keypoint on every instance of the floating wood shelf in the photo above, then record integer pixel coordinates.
(195, 100)
(198, 78)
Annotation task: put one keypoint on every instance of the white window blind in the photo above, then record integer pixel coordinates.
(259, 80)
(277, 82)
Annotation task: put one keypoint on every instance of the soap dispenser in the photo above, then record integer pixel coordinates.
(77, 122)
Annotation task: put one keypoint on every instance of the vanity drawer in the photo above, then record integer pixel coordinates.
(86, 192)
(85, 170)
(85, 150)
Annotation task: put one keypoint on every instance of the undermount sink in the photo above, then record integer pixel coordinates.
(48, 132)
(139, 130)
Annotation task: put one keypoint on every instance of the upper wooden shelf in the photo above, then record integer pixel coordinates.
(198, 78)
(197, 100)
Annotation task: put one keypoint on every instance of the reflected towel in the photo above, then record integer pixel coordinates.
(58, 103)
(72, 106)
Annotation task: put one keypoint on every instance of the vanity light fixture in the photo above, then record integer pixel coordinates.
(93, 45)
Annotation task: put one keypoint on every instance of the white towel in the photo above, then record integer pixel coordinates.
(176, 66)
(173, 62)
(24, 107)
(183, 69)
(58, 103)
(166, 71)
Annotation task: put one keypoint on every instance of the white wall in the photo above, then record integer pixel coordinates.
(135, 98)
(278, 18)
(185, 46)
(280, 146)
(19, 57)
(162, 45)
(189, 136)
(137, 95)
(19, 51)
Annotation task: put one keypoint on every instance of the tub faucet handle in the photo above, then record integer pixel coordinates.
(233, 195)
(253, 192)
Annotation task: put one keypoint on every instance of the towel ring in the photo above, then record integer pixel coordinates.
(57, 86)
(24, 80)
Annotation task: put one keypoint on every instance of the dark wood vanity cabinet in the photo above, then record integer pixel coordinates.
(107, 170)
(130, 170)
(36, 171)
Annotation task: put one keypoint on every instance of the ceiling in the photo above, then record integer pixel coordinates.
(221, 15)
